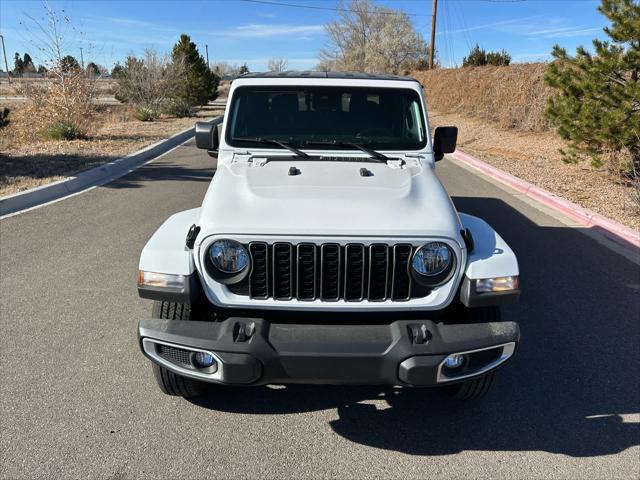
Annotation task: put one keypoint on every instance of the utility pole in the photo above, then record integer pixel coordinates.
(6, 65)
(432, 46)
(206, 49)
(81, 59)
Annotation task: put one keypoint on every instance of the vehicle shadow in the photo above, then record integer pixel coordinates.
(161, 172)
(571, 388)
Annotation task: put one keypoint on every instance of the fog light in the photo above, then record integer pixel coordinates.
(454, 361)
(204, 360)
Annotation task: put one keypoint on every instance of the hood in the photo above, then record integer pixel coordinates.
(327, 198)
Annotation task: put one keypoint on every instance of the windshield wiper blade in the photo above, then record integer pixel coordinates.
(372, 153)
(272, 141)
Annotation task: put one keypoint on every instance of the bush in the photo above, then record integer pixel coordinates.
(478, 57)
(64, 130)
(145, 114)
(148, 82)
(60, 107)
(4, 117)
(179, 108)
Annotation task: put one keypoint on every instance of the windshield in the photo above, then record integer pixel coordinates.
(380, 118)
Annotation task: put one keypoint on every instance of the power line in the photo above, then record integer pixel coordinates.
(333, 9)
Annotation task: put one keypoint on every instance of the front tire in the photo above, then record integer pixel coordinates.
(171, 383)
(473, 389)
(477, 387)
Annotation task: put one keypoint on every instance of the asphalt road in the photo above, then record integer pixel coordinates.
(78, 399)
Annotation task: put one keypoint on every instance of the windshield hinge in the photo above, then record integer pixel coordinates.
(396, 163)
(259, 161)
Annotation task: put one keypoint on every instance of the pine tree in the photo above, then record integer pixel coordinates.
(93, 69)
(18, 65)
(478, 57)
(69, 64)
(198, 85)
(27, 64)
(597, 108)
(243, 69)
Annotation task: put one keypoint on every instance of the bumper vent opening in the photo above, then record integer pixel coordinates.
(175, 355)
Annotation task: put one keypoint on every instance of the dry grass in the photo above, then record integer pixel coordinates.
(513, 97)
(27, 160)
(103, 86)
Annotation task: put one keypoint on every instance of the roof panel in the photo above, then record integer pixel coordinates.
(338, 75)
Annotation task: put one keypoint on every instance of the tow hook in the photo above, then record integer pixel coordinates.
(242, 332)
(419, 334)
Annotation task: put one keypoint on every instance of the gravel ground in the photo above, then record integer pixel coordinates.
(534, 157)
(28, 163)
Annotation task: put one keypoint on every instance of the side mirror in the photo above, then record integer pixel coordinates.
(444, 141)
(207, 136)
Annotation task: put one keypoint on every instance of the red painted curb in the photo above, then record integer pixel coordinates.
(610, 228)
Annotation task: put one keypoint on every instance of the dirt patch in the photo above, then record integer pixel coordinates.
(27, 160)
(534, 157)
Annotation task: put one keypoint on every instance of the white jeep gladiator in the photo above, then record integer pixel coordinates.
(326, 250)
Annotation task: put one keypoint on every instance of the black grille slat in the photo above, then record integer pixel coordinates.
(354, 270)
(282, 271)
(400, 280)
(330, 265)
(259, 281)
(306, 272)
(378, 272)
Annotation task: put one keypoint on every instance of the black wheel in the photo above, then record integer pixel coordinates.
(169, 382)
(472, 389)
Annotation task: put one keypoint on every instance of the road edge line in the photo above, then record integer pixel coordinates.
(85, 180)
(611, 229)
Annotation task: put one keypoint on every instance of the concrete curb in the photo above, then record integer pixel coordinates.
(16, 203)
(611, 229)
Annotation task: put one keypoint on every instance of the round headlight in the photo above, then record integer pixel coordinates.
(228, 256)
(432, 259)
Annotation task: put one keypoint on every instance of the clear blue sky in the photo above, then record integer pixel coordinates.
(238, 31)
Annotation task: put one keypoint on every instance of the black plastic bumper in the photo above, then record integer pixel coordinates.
(255, 351)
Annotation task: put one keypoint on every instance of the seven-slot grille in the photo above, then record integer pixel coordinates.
(330, 272)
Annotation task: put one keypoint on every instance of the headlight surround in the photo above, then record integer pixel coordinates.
(433, 263)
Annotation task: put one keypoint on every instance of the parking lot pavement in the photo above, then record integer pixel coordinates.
(78, 398)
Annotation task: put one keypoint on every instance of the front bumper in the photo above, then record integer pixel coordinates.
(254, 351)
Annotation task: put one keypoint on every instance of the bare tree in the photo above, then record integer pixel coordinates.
(67, 97)
(370, 38)
(148, 82)
(225, 69)
(277, 64)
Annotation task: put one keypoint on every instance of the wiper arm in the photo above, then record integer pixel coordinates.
(272, 141)
(372, 153)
